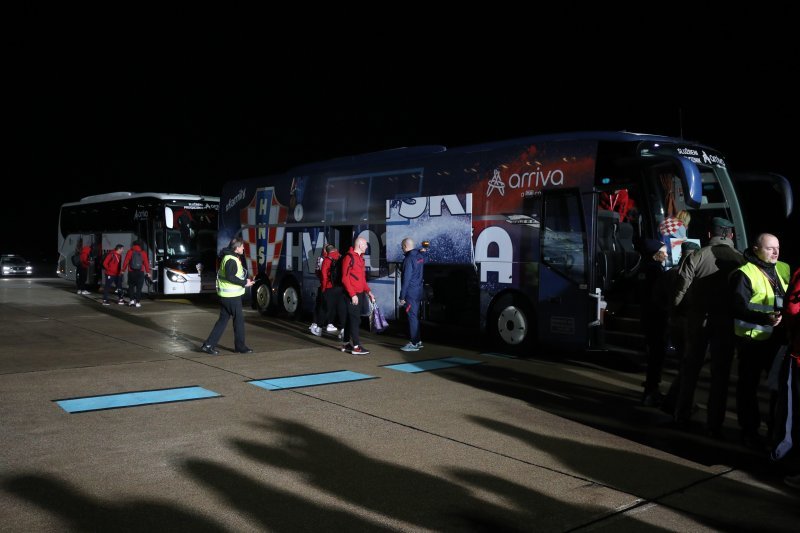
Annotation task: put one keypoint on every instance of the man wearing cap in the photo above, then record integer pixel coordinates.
(703, 282)
(759, 287)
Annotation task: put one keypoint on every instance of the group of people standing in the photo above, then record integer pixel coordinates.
(730, 303)
(344, 295)
(135, 263)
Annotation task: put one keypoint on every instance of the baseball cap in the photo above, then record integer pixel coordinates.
(720, 222)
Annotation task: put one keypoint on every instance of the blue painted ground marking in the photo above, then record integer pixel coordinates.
(132, 399)
(433, 364)
(309, 380)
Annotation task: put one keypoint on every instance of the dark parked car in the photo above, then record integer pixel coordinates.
(14, 265)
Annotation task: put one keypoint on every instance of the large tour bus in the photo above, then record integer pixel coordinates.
(535, 240)
(178, 232)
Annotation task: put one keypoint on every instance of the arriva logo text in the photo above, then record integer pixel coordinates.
(535, 179)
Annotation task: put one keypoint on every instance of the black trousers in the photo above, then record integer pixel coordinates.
(354, 313)
(135, 282)
(755, 359)
(80, 278)
(229, 308)
(335, 307)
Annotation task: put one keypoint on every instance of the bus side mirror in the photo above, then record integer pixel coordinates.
(691, 180)
(169, 219)
(778, 183)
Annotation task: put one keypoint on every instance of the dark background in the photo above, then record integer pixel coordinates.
(182, 108)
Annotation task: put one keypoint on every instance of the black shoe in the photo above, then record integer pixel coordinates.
(209, 349)
(652, 398)
(244, 350)
(754, 441)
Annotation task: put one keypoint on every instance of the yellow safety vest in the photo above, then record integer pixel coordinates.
(225, 288)
(762, 301)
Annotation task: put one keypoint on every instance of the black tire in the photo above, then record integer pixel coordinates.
(511, 325)
(289, 300)
(262, 298)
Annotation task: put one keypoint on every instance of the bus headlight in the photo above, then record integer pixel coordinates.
(176, 276)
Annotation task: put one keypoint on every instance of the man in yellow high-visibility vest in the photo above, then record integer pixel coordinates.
(231, 285)
(759, 287)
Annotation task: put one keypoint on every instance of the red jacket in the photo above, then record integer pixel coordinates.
(354, 274)
(145, 261)
(113, 263)
(792, 312)
(325, 271)
(86, 251)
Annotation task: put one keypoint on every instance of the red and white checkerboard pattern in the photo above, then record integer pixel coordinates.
(249, 220)
(672, 227)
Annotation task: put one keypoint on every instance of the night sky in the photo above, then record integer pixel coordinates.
(134, 113)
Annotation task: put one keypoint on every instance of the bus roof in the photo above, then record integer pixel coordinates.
(112, 196)
(404, 153)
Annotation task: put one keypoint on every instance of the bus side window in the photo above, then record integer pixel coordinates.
(563, 237)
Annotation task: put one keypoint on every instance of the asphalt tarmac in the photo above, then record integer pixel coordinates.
(490, 443)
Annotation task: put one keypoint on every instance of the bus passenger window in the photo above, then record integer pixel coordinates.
(563, 237)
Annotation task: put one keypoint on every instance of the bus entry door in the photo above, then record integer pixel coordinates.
(562, 307)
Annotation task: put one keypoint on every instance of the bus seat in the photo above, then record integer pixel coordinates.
(607, 223)
(630, 257)
(607, 262)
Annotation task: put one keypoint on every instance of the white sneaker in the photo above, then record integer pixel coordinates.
(85, 292)
(132, 303)
(138, 304)
(315, 330)
(331, 328)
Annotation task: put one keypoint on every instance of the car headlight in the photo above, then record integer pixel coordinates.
(29, 269)
(175, 276)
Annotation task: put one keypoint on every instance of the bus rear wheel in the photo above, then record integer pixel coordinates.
(511, 324)
(263, 299)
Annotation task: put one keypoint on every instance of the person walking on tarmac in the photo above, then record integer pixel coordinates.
(231, 283)
(655, 317)
(354, 280)
(84, 254)
(113, 267)
(759, 287)
(138, 266)
(411, 291)
(703, 283)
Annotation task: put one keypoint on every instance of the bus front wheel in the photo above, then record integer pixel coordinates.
(511, 324)
(263, 298)
(290, 300)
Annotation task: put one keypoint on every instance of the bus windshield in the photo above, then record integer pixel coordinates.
(193, 232)
(674, 217)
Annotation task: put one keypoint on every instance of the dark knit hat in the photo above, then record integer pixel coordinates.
(651, 246)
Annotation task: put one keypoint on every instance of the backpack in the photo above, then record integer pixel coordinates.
(136, 260)
(337, 266)
(76, 259)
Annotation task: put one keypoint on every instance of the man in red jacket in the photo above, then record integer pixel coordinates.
(354, 281)
(137, 270)
(787, 417)
(113, 267)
